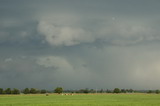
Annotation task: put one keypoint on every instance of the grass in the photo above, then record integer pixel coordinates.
(81, 100)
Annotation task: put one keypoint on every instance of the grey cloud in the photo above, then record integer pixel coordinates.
(55, 62)
(128, 32)
(79, 44)
(68, 36)
(8, 60)
(116, 32)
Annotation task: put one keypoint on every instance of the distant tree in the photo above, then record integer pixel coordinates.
(86, 90)
(15, 91)
(77, 91)
(33, 91)
(108, 91)
(123, 91)
(130, 90)
(116, 90)
(92, 91)
(157, 91)
(150, 91)
(38, 91)
(1, 90)
(26, 91)
(8, 91)
(101, 91)
(58, 90)
(81, 91)
(43, 91)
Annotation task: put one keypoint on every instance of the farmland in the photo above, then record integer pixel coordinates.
(81, 100)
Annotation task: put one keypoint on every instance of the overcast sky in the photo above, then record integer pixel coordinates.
(80, 44)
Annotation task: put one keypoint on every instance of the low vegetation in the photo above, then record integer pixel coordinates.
(60, 90)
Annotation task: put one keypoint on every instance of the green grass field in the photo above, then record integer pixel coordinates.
(81, 100)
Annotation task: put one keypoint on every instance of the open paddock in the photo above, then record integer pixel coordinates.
(81, 100)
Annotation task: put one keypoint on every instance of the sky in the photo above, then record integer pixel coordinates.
(79, 44)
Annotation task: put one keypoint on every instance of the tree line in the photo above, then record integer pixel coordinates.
(29, 91)
(116, 90)
(60, 90)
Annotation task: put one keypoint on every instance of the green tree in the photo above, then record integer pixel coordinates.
(150, 91)
(123, 90)
(157, 91)
(8, 91)
(108, 91)
(33, 91)
(116, 90)
(130, 90)
(101, 91)
(15, 91)
(43, 91)
(58, 90)
(26, 91)
(1, 90)
(38, 91)
(86, 90)
(92, 91)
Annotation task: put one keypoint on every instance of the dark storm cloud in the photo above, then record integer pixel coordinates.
(79, 44)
